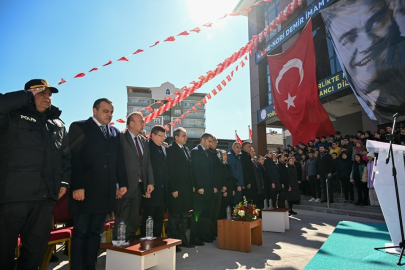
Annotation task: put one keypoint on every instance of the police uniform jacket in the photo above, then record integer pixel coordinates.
(34, 154)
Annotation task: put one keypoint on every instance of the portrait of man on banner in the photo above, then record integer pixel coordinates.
(369, 38)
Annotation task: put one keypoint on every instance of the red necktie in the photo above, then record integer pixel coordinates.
(138, 147)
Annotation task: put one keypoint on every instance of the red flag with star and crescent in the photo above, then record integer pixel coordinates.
(295, 90)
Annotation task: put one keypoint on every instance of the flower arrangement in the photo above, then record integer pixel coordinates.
(245, 211)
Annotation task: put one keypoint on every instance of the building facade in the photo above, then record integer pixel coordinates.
(194, 122)
(335, 93)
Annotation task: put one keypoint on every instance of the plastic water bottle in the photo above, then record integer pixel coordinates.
(149, 228)
(228, 213)
(265, 204)
(121, 232)
(271, 204)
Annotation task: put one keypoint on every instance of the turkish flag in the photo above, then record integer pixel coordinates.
(295, 90)
(238, 139)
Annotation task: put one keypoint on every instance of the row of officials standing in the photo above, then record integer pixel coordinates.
(106, 170)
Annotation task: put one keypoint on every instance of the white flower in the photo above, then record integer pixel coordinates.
(241, 213)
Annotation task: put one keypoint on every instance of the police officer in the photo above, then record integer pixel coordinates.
(34, 171)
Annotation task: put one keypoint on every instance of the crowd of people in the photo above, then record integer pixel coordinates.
(107, 170)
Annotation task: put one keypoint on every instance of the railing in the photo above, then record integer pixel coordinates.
(194, 135)
(188, 106)
(138, 103)
(194, 116)
(202, 125)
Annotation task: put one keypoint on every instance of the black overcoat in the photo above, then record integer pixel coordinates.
(160, 176)
(97, 166)
(180, 179)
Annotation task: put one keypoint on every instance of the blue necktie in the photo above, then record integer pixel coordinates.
(104, 130)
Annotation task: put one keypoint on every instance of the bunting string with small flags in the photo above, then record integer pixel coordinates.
(289, 9)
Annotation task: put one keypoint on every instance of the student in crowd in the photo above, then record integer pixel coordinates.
(313, 177)
(293, 193)
(359, 178)
(370, 180)
(344, 169)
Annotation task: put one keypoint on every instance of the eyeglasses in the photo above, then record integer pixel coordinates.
(161, 136)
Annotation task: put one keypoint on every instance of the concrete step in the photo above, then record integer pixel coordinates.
(337, 211)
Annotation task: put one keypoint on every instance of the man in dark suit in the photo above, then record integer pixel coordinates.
(273, 177)
(98, 175)
(248, 172)
(155, 206)
(180, 186)
(282, 169)
(216, 168)
(135, 149)
(205, 190)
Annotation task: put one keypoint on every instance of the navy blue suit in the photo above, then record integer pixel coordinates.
(97, 166)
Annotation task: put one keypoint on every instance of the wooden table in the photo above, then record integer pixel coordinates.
(239, 235)
(158, 253)
(275, 220)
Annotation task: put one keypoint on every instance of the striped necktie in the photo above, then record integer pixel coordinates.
(104, 130)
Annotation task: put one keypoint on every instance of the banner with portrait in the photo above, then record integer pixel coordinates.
(369, 39)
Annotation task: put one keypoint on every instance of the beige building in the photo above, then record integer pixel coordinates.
(194, 122)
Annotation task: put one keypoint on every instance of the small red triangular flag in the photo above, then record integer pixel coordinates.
(209, 96)
(199, 104)
(197, 30)
(228, 78)
(123, 59)
(182, 116)
(93, 69)
(177, 120)
(166, 127)
(184, 33)
(204, 100)
(194, 108)
(159, 102)
(121, 121)
(156, 43)
(138, 51)
(168, 98)
(172, 124)
(108, 63)
(171, 38)
(61, 81)
(207, 24)
(214, 92)
(80, 75)
(149, 108)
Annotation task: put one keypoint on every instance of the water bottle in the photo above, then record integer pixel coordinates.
(265, 204)
(121, 232)
(228, 213)
(271, 204)
(149, 228)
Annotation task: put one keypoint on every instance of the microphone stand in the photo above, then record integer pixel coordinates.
(401, 245)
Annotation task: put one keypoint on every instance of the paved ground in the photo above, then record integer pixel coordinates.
(290, 250)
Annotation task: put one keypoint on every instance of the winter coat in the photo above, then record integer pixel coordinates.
(363, 173)
(34, 152)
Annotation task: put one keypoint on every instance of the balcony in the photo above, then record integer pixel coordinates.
(138, 103)
(188, 106)
(190, 125)
(194, 135)
(194, 116)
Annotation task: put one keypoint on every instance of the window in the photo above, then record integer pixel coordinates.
(167, 92)
(270, 14)
(333, 60)
(166, 117)
(269, 95)
(156, 120)
(177, 112)
(327, 62)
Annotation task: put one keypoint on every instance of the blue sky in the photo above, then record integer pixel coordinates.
(59, 39)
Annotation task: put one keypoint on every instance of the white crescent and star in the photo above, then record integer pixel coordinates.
(293, 63)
